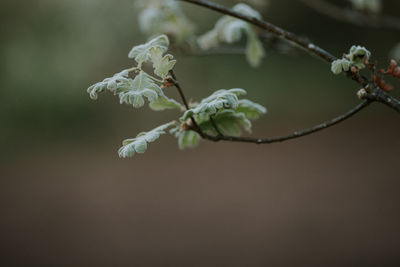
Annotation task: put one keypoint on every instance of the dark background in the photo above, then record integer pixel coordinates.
(330, 199)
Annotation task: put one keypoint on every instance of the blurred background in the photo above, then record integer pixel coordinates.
(329, 199)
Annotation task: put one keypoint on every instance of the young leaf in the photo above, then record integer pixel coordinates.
(228, 122)
(188, 139)
(162, 65)
(254, 51)
(142, 86)
(112, 84)
(164, 102)
(250, 109)
(141, 53)
(164, 17)
(340, 65)
(230, 30)
(139, 144)
(221, 99)
(358, 55)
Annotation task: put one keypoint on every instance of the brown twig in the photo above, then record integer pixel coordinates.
(295, 134)
(376, 96)
(179, 88)
(293, 38)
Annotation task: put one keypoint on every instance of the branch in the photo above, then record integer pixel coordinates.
(293, 135)
(179, 88)
(279, 32)
(293, 38)
(297, 134)
(353, 16)
(378, 95)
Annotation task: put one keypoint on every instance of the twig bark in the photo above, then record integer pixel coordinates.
(279, 32)
(295, 134)
(376, 96)
(185, 103)
(301, 42)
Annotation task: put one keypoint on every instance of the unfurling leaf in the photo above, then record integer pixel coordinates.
(221, 99)
(358, 55)
(142, 86)
(250, 109)
(230, 30)
(188, 139)
(141, 53)
(118, 80)
(164, 102)
(254, 51)
(340, 65)
(164, 17)
(355, 58)
(139, 144)
(162, 64)
(229, 122)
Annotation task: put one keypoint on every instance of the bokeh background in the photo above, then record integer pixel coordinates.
(330, 199)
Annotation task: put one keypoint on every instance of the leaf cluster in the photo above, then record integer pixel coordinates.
(230, 30)
(356, 57)
(220, 113)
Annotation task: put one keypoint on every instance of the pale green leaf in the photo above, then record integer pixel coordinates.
(229, 30)
(250, 109)
(139, 144)
(358, 55)
(340, 65)
(164, 17)
(141, 53)
(188, 139)
(119, 80)
(142, 86)
(164, 102)
(228, 122)
(221, 99)
(162, 64)
(254, 51)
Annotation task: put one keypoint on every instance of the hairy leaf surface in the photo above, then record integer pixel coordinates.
(139, 144)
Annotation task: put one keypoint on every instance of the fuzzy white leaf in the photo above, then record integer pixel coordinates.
(141, 53)
(164, 103)
(164, 17)
(254, 51)
(119, 80)
(188, 139)
(139, 144)
(229, 122)
(142, 86)
(221, 99)
(230, 30)
(250, 109)
(162, 64)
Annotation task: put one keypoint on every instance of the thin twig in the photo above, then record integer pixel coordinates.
(353, 16)
(289, 36)
(214, 125)
(179, 88)
(293, 38)
(381, 96)
(296, 134)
